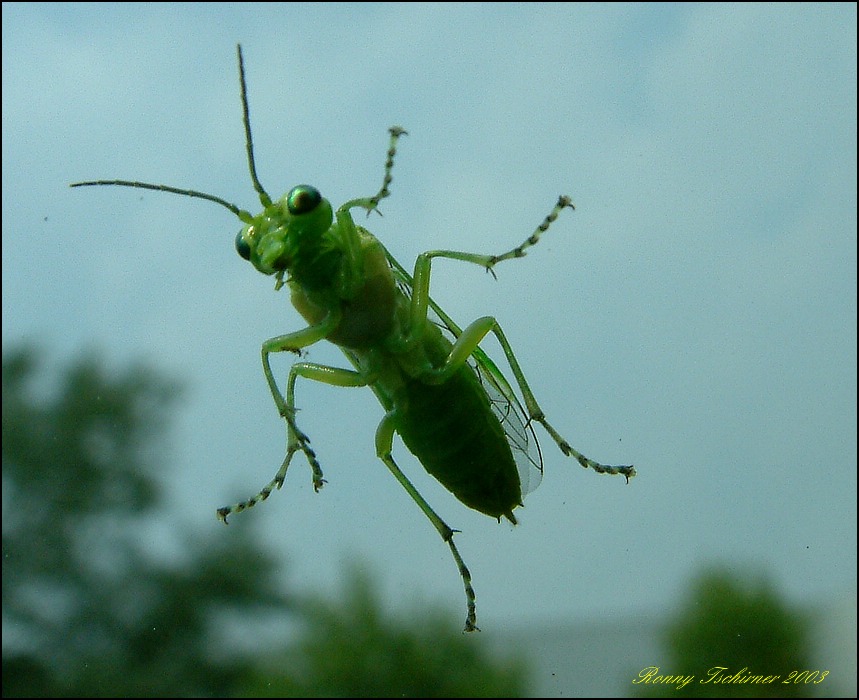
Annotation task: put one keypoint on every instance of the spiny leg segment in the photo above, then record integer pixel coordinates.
(372, 203)
(296, 439)
(533, 239)
(490, 261)
(396, 132)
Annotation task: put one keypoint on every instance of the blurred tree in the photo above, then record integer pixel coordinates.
(88, 612)
(351, 648)
(737, 623)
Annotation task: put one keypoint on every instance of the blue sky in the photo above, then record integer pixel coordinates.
(696, 315)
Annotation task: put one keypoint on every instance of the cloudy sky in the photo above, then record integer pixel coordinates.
(696, 315)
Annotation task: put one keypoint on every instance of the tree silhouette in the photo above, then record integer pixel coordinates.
(736, 623)
(350, 647)
(86, 612)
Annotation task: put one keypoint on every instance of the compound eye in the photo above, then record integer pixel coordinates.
(303, 199)
(242, 247)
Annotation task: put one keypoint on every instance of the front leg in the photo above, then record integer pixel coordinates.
(297, 440)
(294, 342)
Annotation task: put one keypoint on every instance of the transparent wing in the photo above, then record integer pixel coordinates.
(505, 404)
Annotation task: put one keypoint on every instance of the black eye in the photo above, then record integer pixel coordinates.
(303, 199)
(242, 248)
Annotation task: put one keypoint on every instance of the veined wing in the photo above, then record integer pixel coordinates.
(504, 401)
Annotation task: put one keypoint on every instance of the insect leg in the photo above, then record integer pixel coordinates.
(490, 261)
(297, 440)
(372, 203)
(384, 444)
(534, 410)
(466, 345)
(519, 251)
(395, 132)
(293, 342)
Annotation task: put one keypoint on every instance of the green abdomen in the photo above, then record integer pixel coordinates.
(452, 430)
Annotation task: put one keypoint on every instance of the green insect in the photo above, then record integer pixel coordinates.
(447, 400)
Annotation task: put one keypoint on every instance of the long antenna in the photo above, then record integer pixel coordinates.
(249, 146)
(166, 188)
(249, 141)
